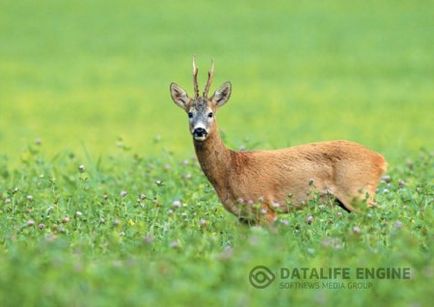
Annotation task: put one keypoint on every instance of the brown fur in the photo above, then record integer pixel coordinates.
(274, 178)
(258, 184)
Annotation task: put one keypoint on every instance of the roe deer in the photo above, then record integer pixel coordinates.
(256, 185)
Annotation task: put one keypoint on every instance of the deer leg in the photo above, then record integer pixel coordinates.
(366, 195)
(340, 203)
(345, 201)
(370, 199)
(270, 217)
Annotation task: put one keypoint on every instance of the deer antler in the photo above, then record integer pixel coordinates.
(210, 77)
(196, 85)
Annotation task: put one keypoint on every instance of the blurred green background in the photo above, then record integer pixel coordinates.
(86, 72)
(80, 74)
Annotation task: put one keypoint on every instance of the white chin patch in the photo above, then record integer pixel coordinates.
(200, 138)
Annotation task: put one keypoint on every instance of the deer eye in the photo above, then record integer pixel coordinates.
(210, 115)
(190, 114)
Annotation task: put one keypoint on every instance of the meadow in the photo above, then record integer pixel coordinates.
(102, 201)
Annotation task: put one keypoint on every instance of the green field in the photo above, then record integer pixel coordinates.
(87, 83)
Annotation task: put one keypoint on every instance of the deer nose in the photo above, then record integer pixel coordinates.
(199, 132)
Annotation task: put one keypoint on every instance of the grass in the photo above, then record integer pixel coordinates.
(139, 224)
(90, 72)
(138, 231)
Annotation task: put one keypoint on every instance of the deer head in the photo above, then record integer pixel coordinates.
(201, 109)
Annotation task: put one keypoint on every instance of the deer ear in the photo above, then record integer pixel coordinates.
(179, 96)
(222, 95)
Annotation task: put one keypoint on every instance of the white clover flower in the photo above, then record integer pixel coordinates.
(123, 193)
(356, 230)
(176, 204)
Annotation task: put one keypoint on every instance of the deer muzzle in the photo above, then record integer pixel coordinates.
(200, 134)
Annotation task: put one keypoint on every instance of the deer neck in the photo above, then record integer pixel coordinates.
(214, 159)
